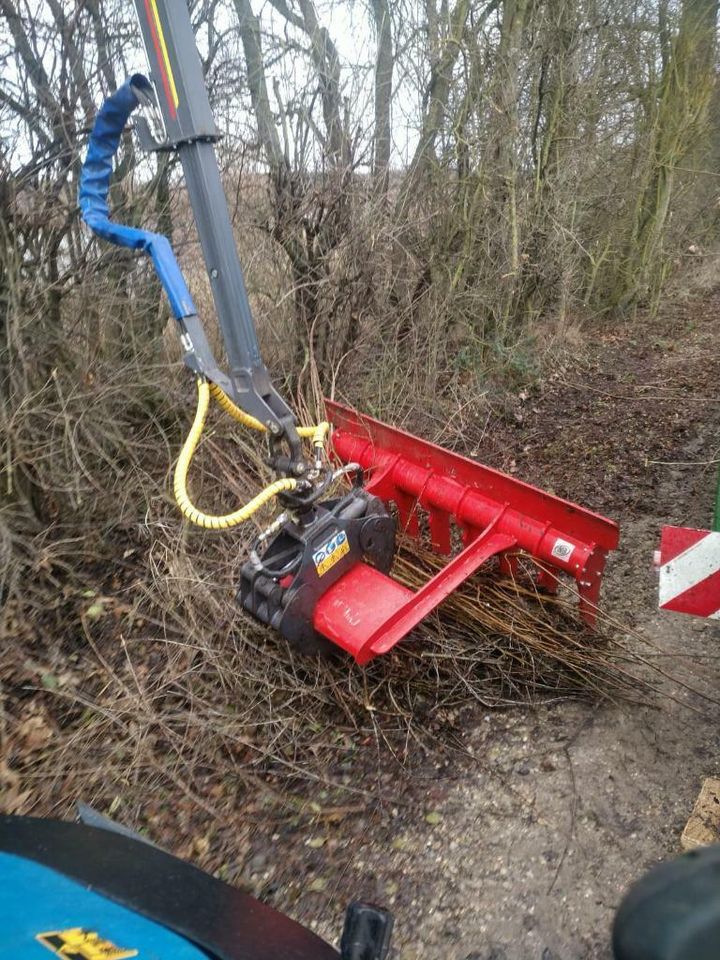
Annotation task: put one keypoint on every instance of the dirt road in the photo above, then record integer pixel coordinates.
(521, 850)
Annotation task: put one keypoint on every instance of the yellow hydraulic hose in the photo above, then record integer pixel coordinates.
(318, 434)
(235, 412)
(187, 508)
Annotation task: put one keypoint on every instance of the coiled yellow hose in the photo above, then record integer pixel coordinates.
(224, 401)
(211, 521)
(318, 434)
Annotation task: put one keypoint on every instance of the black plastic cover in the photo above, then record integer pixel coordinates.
(367, 931)
(227, 924)
(673, 913)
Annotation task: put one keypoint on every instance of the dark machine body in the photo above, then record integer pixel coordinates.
(96, 891)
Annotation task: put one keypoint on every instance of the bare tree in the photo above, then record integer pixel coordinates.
(382, 137)
(677, 117)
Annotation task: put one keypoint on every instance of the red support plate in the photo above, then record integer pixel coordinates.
(367, 612)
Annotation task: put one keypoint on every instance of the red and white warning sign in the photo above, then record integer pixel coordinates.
(690, 571)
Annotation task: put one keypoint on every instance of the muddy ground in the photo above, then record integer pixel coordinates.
(520, 848)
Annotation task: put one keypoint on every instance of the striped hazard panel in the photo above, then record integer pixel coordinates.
(690, 571)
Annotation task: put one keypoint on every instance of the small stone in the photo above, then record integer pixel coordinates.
(201, 845)
(258, 862)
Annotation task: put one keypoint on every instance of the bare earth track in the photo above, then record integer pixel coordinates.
(521, 848)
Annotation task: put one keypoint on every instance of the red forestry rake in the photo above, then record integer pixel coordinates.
(366, 612)
(320, 571)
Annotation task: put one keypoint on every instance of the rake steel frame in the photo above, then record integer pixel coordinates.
(494, 514)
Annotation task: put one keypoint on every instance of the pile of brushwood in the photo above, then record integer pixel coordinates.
(129, 673)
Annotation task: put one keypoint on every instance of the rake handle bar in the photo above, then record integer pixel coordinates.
(472, 509)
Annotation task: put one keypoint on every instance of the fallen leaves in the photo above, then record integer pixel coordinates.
(35, 733)
(13, 798)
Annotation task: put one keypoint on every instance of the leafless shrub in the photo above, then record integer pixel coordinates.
(401, 286)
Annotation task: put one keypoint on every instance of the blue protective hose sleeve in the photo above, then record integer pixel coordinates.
(93, 196)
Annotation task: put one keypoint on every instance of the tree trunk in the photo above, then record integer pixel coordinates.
(679, 119)
(383, 94)
(505, 155)
(444, 56)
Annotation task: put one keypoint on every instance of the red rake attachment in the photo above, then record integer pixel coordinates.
(317, 571)
(366, 612)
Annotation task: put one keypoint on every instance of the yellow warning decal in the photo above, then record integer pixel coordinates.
(329, 553)
(79, 944)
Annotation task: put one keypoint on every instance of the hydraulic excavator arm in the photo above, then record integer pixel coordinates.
(319, 573)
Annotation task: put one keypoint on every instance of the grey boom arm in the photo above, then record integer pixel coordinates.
(177, 75)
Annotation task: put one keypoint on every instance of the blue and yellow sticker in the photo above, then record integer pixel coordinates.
(330, 552)
(77, 943)
(47, 916)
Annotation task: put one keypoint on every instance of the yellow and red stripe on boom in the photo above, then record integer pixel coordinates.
(161, 50)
